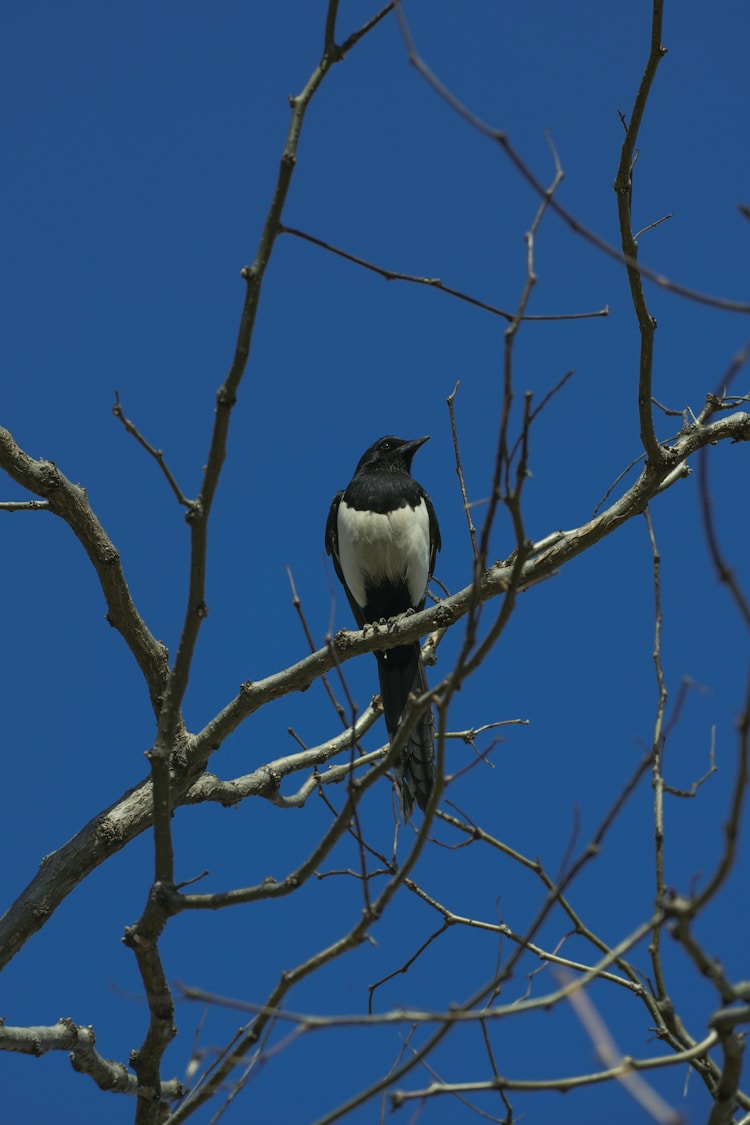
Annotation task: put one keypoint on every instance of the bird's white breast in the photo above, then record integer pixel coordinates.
(376, 548)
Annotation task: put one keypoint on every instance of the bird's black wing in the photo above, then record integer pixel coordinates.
(332, 534)
(435, 540)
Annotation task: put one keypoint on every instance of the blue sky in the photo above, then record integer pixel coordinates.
(142, 147)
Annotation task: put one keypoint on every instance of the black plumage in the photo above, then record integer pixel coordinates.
(383, 535)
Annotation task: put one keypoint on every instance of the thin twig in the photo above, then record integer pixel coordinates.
(623, 187)
(657, 751)
(651, 226)
(500, 137)
(724, 572)
(538, 409)
(24, 506)
(459, 469)
(435, 282)
(157, 454)
(572, 1082)
(297, 603)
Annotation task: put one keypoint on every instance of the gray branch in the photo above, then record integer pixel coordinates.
(64, 869)
(70, 502)
(79, 1041)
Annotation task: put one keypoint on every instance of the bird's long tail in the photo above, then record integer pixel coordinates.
(402, 674)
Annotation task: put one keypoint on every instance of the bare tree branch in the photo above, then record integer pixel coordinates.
(500, 137)
(623, 187)
(79, 1043)
(70, 502)
(157, 454)
(128, 817)
(436, 283)
(621, 1070)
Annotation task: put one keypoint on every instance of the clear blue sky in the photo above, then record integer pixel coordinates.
(141, 148)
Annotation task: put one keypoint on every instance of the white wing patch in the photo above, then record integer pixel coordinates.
(384, 547)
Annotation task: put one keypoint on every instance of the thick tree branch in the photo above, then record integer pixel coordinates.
(131, 815)
(79, 1042)
(70, 502)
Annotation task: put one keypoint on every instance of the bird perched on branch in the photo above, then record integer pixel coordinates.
(383, 535)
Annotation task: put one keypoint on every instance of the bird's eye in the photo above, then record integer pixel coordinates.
(385, 445)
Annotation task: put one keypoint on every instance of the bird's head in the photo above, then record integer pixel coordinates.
(390, 454)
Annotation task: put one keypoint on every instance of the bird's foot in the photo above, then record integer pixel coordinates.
(393, 622)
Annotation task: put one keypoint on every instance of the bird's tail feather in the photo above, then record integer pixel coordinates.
(402, 674)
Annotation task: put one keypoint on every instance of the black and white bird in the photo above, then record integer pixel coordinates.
(383, 535)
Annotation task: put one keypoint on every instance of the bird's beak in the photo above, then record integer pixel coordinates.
(413, 446)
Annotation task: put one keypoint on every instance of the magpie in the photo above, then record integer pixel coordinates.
(382, 534)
